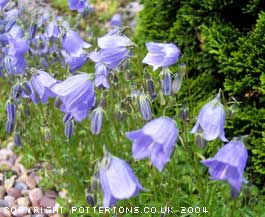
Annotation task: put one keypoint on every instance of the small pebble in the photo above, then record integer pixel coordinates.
(11, 200)
(4, 212)
(9, 182)
(47, 202)
(51, 194)
(23, 201)
(3, 203)
(31, 183)
(5, 154)
(35, 195)
(14, 192)
(21, 186)
(2, 192)
(20, 211)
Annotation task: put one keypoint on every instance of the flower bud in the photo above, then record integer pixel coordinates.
(17, 140)
(26, 88)
(145, 108)
(17, 91)
(69, 128)
(91, 199)
(96, 120)
(184, 113)
(166, 81)
(32, 30)
(10, 24)
(151, 88)
(11, 111)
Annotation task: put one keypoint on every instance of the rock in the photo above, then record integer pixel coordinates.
(10, 145)
(25, 192)
(5, 154)
(51, 194)
(3, 203)
(11, 200)
(2, 192)
(21, 186)
(23, 201)
(22, 178)
(35, 195)
(9, 182)
(30, 181)
(38, 215)
(5, 212)
(14, 192)
(47, 202)
(20, 211)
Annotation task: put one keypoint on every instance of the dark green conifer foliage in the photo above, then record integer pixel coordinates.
(223, 43)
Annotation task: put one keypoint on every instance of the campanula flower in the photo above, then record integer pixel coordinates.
(211, 120)
(52, 30)
(116, 20)
(228, 165)
(77, 95)
(78, 5)
(114, 49)
(156, 140)
(117, 180)
(161, 54)
(74, 62)
(73, 44)
(42, 83)
(3, 3)
(177, 82)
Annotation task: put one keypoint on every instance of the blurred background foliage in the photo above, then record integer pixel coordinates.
(223, 44)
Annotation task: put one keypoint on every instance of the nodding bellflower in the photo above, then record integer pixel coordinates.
(117, 180)
(3, 3)
(78, 5)
(116, 20)
(156, 140)
(211, 120)
(73, 44)
(42, 84)
(114, 49)
(228, 165)
(77, 95)
(161, 54)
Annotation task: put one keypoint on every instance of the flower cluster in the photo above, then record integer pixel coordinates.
(50, 43)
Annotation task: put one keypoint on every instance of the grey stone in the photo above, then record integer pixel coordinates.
(14, 192)
(21, 186)
(20, 211)
(35, 195)
(3, 203)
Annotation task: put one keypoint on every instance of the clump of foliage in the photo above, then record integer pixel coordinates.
(223, 45)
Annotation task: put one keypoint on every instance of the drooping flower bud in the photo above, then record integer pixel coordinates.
(96, 120)
(32, 30)
(17, 91)
(11, 111)
(9, 126)
(178, 78)
(17, 140)
(10, 24)
(69, 128)
(166, 81)
(145, 107)
(151, 88)
(184, 113)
